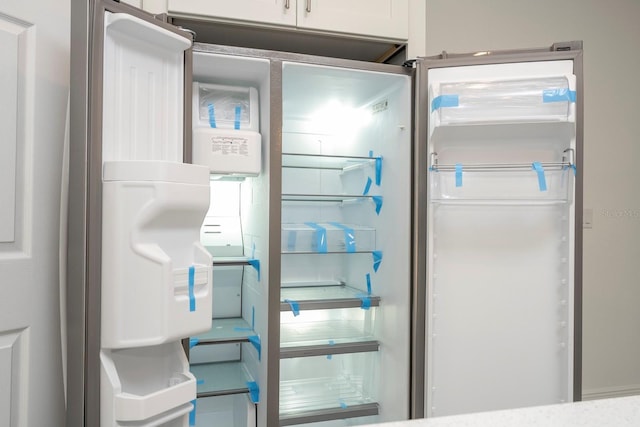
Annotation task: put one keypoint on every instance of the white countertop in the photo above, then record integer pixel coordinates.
(617, 412)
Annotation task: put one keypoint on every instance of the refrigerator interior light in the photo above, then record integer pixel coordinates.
(338, 118)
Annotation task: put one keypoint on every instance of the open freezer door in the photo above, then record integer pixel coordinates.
(147, 278)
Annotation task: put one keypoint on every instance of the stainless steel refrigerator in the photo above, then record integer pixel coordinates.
(262, 238)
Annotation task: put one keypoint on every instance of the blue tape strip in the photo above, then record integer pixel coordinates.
(458, 175)
(558, 95)
(192, 414)
(330, 356)
(444, 101)
(377, 260)
(254, 391)
(542, 182)
(212, 115)
(342, 404)
(192, 296)
(236, 121)
(321, 237)
(378, 171)
(199, 382)
(193, 342)
(291, 240)
(295, 307)
(349, 236)
(255, 341)
(368, 284)
(367, 186)
(255, 263)
(365, 302)
(378, 201)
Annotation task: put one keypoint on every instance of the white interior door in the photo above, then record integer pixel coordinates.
(34, 83)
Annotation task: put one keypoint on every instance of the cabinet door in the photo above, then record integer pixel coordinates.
(281, 12)
(378, 18)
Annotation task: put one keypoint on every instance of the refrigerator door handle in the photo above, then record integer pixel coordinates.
(287, 4)
(308, 8)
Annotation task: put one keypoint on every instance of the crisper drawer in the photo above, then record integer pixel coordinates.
(327, 237)
(328, 387)
(523, 100)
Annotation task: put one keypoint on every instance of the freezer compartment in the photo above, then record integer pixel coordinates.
(498, 183)
(227, 411)
(146, 387)
(325, 237)
(329, 387)
(502, 101)
(156, 276)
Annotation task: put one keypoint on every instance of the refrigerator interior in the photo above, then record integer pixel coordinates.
(345, 261)
(502, 142)
(228, 360)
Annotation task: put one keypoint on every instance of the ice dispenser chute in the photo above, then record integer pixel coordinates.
(156, 289)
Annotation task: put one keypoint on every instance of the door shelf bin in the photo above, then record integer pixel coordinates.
(327, 237)
(502, 185)
(145, 385)
(156, 276)
(327, 383)
(502, 101)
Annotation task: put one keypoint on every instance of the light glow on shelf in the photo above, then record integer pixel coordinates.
(338, 118)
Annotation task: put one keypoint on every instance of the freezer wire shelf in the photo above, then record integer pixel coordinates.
(326, 162)
(330, 398)
(325, 297)
(221, 378)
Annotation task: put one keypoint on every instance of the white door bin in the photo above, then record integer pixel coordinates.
(156, 276)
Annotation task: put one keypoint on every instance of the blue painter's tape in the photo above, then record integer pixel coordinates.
(377, 260)
(378, 171)
(349, 236)
(368, 284)
(193, 342)
(542, 182)
(199, 382)
(321, 237)
(236, 121)
(378, 201)
(443, 101)
(254, 391)
(558, 95)
(370, 153)
(330, 356)
(367, 186)
(192, 414)
(212, 115)
(192, 281)
(343, 405)
(295, 307)
(291, 240)
(255, 341)
(255, 263)
(365, 302)
(458, 175)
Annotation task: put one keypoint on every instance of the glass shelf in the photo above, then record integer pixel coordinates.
(295, 334)
(328, 349)
(226, 331)
(221, 378)
(325, 297)
(328, 198)
(329, 162)
(322, 399)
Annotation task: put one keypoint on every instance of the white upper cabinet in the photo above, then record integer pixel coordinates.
(378, 18)
(386, 19)
(279, 12)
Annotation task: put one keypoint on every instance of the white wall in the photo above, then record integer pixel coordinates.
(611, 34)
